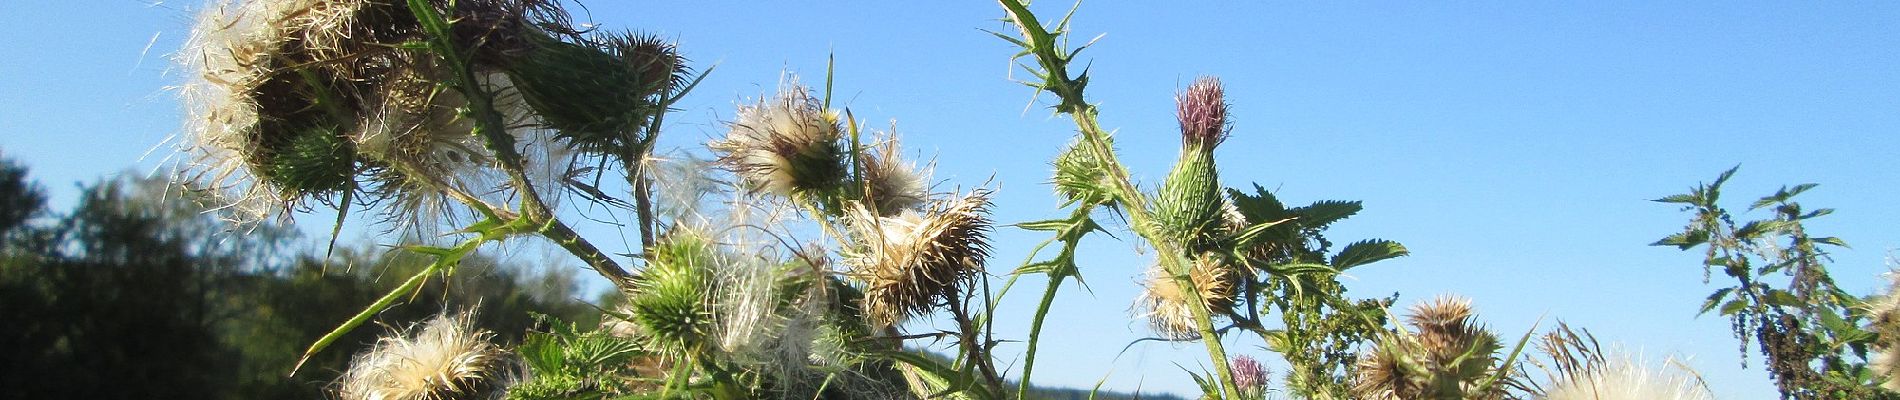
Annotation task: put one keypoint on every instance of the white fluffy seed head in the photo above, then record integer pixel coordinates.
(1621, 377)
(786, 146)
(445, 357)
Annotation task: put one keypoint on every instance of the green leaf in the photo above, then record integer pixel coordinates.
(1782, 195)
(1048, 225)
(1830, 240)
(1679, 198)
(1714, 299)
(1781, 298)
(1366, 252)
(1326, 212)
(1733, 306)
(1684, 240)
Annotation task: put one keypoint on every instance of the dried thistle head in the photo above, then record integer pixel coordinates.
(1166, 305)
(292, 100)
(892, 185)
(1445, 354)
(912, 261)
(445, 357)
(1202, 112)
(789, 146)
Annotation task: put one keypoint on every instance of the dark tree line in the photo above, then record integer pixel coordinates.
(137, 292)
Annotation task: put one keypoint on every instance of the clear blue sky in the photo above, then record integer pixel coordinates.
(1512, 146)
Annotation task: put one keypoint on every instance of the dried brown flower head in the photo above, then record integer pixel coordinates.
(445, 357)
(788, 146)
(1165, 303)
(912, 261)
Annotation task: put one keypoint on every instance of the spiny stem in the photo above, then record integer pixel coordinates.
(1041, 43)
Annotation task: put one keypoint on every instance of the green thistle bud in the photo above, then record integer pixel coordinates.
(1189, 205)
(316, 159)
(670, 300)
(599, 96)
(1081, 178)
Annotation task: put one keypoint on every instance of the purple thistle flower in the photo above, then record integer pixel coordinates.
(1248, 374)
(1202, 111)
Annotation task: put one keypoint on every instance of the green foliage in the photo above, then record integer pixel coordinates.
(1783, 301)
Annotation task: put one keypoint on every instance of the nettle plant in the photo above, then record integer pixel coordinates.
(478, 120)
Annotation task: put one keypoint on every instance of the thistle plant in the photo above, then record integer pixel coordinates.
(1214, 252)
(440, 359)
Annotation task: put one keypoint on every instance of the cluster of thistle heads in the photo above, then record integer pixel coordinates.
(300, 101)
(1447, 354)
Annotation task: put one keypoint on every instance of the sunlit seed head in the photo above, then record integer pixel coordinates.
(1166, 305)
(1622, 377)
(1202, 113)
(445, 357)
(786, 146)
(914, 260)
(1444, 351)
(893, 184)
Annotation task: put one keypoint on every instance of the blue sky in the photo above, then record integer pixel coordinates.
(1511, 145)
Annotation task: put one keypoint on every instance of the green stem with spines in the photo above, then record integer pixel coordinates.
(1040, 42)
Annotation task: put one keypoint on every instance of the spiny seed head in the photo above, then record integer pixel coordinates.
(912, 261)
(1166, 305)
(1202, 112)
(788, 146)
(892, 185)
(670, 299)
(446, 357)
(1080, 177)
(1444, 355)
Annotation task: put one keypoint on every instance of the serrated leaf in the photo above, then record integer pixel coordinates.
(1733, 306)
(1679, 198)
(1684, 240)
(1781, 298)
(1366, 252)
(1831, 240)
(1714, 299)
(1326, 212)
(1782, 195)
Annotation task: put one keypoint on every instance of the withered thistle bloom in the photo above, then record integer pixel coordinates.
(1446, 355)
(292, 100)
(1165, 303)
(913, 261)
(892, 185)
(788, 146)
(1188, 207)
(1202, 112)
(446, 357)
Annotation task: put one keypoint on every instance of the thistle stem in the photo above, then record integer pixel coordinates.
(1041, 43)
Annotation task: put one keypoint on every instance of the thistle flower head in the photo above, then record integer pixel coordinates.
(1248, 374)
(290, 100)
(912, 261)
(1080, 177)
(1166, 305)
(787, 146)
(1202, 112)
(892, 184)
(446, 357)
(1445, 355)
(670, 299)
